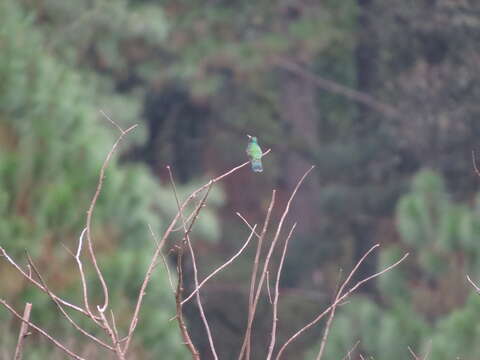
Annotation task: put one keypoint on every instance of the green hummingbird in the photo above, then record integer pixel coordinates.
(254, 152)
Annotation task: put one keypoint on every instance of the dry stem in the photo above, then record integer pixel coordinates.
(251, 313)
(341, 298)
(90, 214)
(192, 254)
(277, 294)
(22, 334)
(220, 268)
(41, 331)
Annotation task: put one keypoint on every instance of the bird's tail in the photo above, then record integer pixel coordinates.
(257, 165)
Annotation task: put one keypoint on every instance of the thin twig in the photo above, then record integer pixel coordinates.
(22, 334)
(157, 252)
(110, 332)
(247, 223)
(246, 342)
(41, 331)
(277, 294)
(62, 310)
(349, 354)
(256, 261)
(477, 289)
(415, 357)
(37, 284)
(268, 288)
(163, 259)
(341, 298)
(82, 276)
(178, 300)
(220, 268)
(474, 161)
(92, 207)
(194, 262)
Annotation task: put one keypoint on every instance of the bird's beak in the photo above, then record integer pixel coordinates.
(249, 136)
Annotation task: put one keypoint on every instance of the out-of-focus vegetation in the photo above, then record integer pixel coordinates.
(200, 75)
(53, 144)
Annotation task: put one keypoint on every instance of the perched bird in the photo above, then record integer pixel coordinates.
(254, 152)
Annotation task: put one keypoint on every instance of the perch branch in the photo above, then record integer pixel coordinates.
(159, 248)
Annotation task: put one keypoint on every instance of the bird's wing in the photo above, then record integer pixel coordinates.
(255, 151)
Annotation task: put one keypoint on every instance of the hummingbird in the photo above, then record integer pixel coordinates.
(254, 152)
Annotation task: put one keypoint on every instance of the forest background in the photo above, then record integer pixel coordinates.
(381, 96)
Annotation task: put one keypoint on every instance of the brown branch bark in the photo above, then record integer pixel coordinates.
(277, 294)
(92, 207)
(340, 299)
(252, 309)
(164, 238)
(337, 88)
(22, 334)
(41, 331)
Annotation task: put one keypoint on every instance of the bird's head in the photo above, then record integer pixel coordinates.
(252, 138)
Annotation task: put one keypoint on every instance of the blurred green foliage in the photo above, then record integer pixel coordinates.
(419, 300)
(202, 74)
(53, 143)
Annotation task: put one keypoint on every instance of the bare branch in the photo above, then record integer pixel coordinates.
(22, 334)
(41, 331)
(251, 312)
(268, 288)
(349, 354)
(247, 223)
(341, 298)
(163, 259)
(110, 332)
(220, 268)
(192, 254)
(178, 300)
(62, 310)
(415, 357)
(337, 88)
(165, 236)
(83, 278)
(277, 294)
(477, 289)
(37, 284)
(474, 161)
(92, 207)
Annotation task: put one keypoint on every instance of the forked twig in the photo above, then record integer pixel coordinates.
(156, 254)
(341, 298)
(192, 254)
(277, 294)
(37, 284)
(41, 331)
(178, 301)
(220, 268)
(251, 313)
(92, 207)
(62, 310)
(349, 354)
